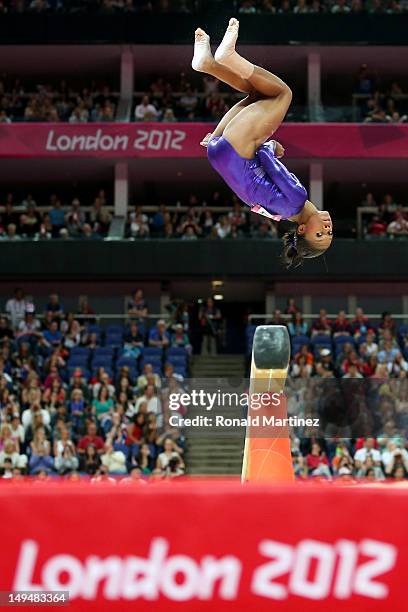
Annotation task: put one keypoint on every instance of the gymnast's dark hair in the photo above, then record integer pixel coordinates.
(295, 247)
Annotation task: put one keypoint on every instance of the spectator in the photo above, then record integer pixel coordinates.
(16, 308)
(180, 338)
(114, 461)
(291, 307)
(159, 337)
(368, 450)
(67, 462)
(298, 327)
(152, 400)
(341, 326)
(169, 453)
(90, 461)
(75, 219)
(147, 377)
(137, 306)
(145, 111)
(40, 459)
(91, 439)
(210, 320)
(317, 462)
(322, 325)
(56, 216)
(9, 455)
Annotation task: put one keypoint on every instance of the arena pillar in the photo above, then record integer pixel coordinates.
(121, 189)
(126, 73)
(316, 184)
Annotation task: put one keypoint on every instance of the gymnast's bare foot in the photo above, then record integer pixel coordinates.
(227, 46)
(203, 58)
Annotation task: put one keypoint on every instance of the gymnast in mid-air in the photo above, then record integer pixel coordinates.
(242, 152)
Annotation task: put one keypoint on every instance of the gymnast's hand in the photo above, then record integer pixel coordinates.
(206, 140)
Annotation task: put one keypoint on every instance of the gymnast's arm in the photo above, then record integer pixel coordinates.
(288, 184)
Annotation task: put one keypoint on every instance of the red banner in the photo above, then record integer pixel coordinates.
(209, 546)
(129, 140)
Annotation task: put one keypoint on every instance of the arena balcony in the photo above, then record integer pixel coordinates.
(138, 158)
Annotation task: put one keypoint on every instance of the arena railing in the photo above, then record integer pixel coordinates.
(98, 318)
(313, 316)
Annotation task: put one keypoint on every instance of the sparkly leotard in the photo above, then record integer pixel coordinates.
(262, 182)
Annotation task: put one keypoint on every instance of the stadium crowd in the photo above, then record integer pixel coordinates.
(54, 102)
(379, 101)
(199, 222)
(352, 374)
(242, 7)
(391, 219)
(77, 399)
(26, 220)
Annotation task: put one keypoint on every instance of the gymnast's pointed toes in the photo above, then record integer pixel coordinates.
(233, 23)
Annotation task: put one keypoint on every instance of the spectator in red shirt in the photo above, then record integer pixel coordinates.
(92, 439)
(341, 326)
(322, 325)
(317, 462)
(352, 359)
(370, 367)
(291, 307)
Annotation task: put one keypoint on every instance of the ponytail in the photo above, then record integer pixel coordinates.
(296, 248)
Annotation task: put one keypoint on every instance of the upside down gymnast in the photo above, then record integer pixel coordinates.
(241, 151)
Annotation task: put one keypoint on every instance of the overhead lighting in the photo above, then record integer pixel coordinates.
(218, 297)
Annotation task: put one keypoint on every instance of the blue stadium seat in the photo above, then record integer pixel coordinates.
(80, 350)
(102, 361)
(301, 340)
(321, 340)
(78, 361)
(114, 340)
(403, 330)
(104, 350)
(177, 360)
(115, 329)
(94, 329)
(152, 359)
(152, 351)
(126, 361)
(176, 351)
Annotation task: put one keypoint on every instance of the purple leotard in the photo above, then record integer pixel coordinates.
(259, 182)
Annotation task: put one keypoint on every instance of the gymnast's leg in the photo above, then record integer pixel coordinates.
(258, 120)
(203, 61)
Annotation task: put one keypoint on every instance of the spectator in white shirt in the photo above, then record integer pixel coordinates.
(152, 400)
(27, 417)
(30, 326)
(367, 450)
(16, 308)
(145, 111)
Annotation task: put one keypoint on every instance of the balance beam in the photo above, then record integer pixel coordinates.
(267, 458)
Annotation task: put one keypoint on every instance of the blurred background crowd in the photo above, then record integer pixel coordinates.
(243, 7)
